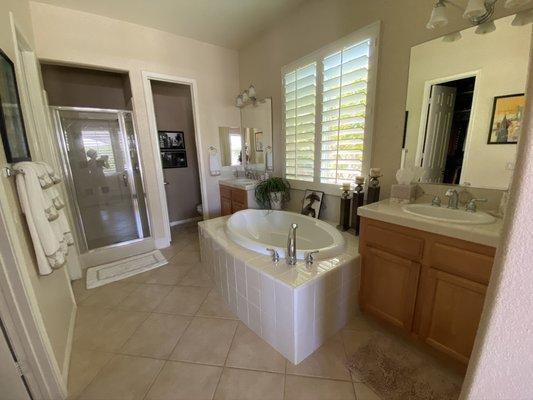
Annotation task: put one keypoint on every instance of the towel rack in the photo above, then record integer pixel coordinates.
(9, 172)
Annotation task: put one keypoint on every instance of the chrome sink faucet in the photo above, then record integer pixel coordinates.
(453, 198)
(290, 257)
(472, 204)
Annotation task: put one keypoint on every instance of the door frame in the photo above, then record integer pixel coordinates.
(147, 77)
(425, 109)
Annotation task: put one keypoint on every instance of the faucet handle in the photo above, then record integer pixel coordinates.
(436, 201)
(275, 255)
(472, 204)
(310, 258)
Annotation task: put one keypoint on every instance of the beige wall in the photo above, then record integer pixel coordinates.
(52, 293)
(81, 38)
(320, 22)
(502, 359)
(173, 112)
(497, 74)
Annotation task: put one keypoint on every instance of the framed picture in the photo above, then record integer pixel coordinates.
(174, 159)
(312, 203)
(259, 142)
(174, 140)
(12, 127)
(506, 119)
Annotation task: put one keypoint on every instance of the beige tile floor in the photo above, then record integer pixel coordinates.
(167, 334)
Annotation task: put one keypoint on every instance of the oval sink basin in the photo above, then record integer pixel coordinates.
(244, 181)
(449, 215)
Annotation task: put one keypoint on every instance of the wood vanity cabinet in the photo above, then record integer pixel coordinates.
(232, 200)
(428, 286)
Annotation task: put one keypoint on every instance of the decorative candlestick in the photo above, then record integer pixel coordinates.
(373, 186)
(345, 207)
(358, 200)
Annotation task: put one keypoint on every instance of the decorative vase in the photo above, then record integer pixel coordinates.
(276, 199)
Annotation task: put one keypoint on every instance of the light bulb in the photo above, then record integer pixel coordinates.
(251, 91)
(485, 27)
(438, 17)
(475, 9)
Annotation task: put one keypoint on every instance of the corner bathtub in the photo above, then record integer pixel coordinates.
(294, 308)
(258, 230)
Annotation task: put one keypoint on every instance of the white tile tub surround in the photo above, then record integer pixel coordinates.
(295, 309)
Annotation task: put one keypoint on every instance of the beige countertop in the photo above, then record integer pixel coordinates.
(239, 183)
(392, 212)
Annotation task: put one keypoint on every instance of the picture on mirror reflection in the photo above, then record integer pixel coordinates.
(171, 140)
(506, 119)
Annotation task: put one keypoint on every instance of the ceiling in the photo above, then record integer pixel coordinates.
(228, 23)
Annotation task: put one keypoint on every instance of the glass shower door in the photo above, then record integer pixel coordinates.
(100, 154)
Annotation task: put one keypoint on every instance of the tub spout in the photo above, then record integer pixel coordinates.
(291, 245)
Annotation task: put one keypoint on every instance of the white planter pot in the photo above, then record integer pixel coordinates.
(276, 200)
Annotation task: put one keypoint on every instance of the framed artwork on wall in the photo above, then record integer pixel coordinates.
(174, 140)
(174, 159)
(506, 119)
(12, 127)
(312, 203)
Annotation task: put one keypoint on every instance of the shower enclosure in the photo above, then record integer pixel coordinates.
(103, 176)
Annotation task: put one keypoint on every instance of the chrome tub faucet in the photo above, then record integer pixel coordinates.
(290, 257)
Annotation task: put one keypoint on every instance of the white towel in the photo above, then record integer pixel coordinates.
(50, 237)
(269, 163)
(214, 163)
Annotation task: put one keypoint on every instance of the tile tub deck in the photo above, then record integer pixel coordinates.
(295, 309)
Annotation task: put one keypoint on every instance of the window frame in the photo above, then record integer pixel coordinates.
(371, 32)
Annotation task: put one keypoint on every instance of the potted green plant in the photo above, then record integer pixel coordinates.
(273, 192)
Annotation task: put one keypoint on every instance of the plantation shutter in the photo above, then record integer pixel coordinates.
(300, 109)
(344, 98)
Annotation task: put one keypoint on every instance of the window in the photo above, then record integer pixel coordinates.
(100, 141)
(326, 107)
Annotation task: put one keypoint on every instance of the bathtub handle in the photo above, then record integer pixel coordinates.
(310, 258)
(275, 255)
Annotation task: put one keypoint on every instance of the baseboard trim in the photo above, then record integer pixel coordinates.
(185, 221)
(68, 348)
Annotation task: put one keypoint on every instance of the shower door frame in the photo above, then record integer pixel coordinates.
(115, 251)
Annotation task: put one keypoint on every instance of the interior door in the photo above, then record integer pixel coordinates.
(439, 123)
(11, 381)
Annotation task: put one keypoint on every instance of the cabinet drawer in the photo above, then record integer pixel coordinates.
(468, 261)
(238, 196)
(396, 242)
(225, 192)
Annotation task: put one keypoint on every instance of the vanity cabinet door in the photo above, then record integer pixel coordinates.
(225, 206)
(451, 310)
(236, 206)
(389, 286)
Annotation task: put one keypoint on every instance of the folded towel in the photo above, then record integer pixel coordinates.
(50, 236)
(214, 163)
(269, 162)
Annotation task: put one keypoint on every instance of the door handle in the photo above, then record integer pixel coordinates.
(125, 179)
(165, 183)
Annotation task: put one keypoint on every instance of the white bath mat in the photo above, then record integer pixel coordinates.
(121, 269)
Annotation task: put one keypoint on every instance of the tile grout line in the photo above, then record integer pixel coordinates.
(225, 361)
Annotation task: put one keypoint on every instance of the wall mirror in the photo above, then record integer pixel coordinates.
(464, 105)
(256, 122)
(231, 145)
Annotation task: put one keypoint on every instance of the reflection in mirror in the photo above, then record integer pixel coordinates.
(256, 120)
(464, 105)
(230, 146)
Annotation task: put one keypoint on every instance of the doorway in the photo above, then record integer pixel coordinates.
(176, 136)
(448, 119)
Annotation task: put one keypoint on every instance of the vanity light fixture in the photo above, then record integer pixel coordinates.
(246, 97)
(478, 12)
